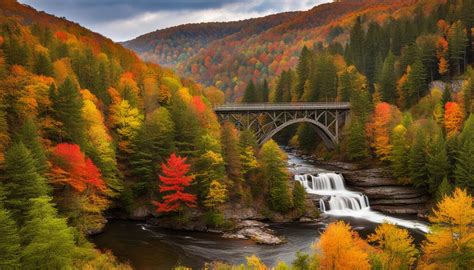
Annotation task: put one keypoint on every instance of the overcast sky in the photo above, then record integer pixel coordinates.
(125, 19)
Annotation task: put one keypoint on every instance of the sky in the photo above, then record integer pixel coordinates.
(122, 20)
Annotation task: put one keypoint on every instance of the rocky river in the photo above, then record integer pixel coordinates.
(148, 246)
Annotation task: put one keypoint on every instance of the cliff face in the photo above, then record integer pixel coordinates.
(385, 193)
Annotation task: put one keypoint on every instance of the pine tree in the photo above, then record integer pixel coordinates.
(357, 145)
(437, 161)
(230, 151)
(30, 138)
(444, 189)
(417, 160)
(250, 94)
(48, 241)
(399, 153)
(187, 131)
(67, 109)
(457, 40)
(464, 169)
(302, 71)
(9, 241)
(273, 169)
(43, 65)
(23, 181)
(16, 52)
(387, 80)
(299, 197)
(265, 91)
(416, 82)
(356, 44)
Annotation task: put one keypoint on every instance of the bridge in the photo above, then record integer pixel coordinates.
(267, 119)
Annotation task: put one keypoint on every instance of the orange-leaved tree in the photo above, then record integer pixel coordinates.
(379, 129)
(453, 118)
(174, 181)
(342, 249)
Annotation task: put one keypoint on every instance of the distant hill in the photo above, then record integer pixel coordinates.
(229, 54)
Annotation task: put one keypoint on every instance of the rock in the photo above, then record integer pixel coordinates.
(237, 212)
(413, 209)
(392, 192)
(305, 219)
(256, 231)
(140, 213)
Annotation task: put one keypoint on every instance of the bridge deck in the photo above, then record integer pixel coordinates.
(297, 106)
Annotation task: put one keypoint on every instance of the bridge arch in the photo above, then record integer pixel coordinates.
(328, 139)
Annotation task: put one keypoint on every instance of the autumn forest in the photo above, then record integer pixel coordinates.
(93, 131)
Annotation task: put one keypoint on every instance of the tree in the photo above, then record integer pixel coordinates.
(398, 249)
(48, 241)
(67, 109)
(450, 245)
(230, 151)
(302, 71)
(357, 145)
(437, 161)
(9, 241)
(387, 80)
(340, 248)
(464, 169)
(43, 65)
(250, 94)
(356, 42)
(175, 180)
(417, 160)
(23, 181)
(217, 194)
(265, 91)
(30, 138)
(457, 40)
(273, 169)
(399, 153)
(379, 129)
(299, 197)
(453, 118)
(416, 83)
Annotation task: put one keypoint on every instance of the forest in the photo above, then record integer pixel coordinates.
(88, 130)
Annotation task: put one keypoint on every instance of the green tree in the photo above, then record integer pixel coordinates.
(43, 65)
(417, 160)
(273, 169)
(302, 71)
(265, 91)
(299, 197)
(437, 161)
(388, 80)
(464, 169)
(457, 40)
(9, 241)
(67, 109)
(30, 138)
(444, 189)
(416, 82)
(250, 94)
(399, 153)
(357, 144)
(48, 241)
(22, 181)
(356, 44)
(187, 130)
(231, 152)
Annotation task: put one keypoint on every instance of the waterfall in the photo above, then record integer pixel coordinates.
(339, 201)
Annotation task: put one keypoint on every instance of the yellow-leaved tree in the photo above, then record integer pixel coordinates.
(217, 194)
(397, 249)
(340, 248)
(450, 245)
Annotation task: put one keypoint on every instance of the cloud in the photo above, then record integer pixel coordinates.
(126, 19)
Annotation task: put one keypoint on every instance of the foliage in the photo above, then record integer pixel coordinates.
(9, 241)
(175, 180)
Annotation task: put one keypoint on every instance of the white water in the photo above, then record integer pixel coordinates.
(343, 202)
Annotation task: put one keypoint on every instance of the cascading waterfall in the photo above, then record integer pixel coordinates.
(343, 202)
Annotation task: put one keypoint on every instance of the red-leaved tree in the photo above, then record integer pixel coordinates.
(72, 167)
(174, 181)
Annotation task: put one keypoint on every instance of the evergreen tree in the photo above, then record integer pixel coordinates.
(16, 52)
(387, 80)
(399, 153)
(323, 80)
(9, 241)
(67, 109)
(250, 94)
(447, 96)
(43, 65)
(457, 41)
(265, 91)
(416, 80)
(187, 131)
(23, 182)
(464, 169)
(273, 169)
(299, 197)
(444, 189)
(356, 44)
(48, 241)
(283, 88)
(357, 145)
(231, 153)
(437, 161)
(302, 71)
(30, 138)
(417, 160)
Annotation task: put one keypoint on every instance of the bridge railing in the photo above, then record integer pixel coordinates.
(282, 106)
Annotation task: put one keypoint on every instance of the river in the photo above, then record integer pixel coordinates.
(147, 247)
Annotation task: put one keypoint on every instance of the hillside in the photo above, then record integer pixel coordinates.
(229, 59)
